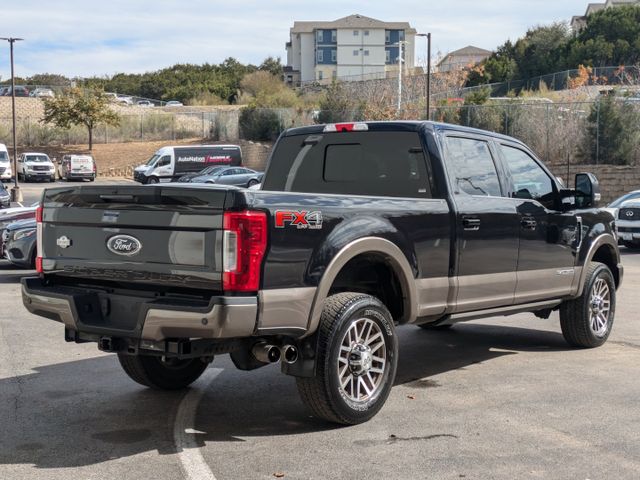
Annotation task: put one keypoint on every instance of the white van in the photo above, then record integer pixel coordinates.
(35, 166)
(170, 163)
(5, 164)
(77, 167)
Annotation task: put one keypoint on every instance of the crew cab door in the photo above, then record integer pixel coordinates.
(487, 225)
(547, 235)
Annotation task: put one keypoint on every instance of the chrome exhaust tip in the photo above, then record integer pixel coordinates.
(289, 354)
(265, 353)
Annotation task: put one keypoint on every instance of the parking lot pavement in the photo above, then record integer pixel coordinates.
(502, 398)
(31, 191)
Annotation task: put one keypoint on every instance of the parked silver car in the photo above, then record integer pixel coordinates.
(238, 176)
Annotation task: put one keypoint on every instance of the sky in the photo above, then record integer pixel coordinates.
(89, 37)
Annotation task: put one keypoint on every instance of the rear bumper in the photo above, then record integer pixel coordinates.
(72, 175)
(145, 319)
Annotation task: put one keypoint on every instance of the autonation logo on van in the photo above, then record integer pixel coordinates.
(205, 159)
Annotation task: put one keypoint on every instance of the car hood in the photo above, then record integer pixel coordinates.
(4, 193)
(20, 224)
(142, 168)
(33, 164)
(8, 212)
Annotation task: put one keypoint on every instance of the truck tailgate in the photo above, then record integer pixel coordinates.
(160, 235)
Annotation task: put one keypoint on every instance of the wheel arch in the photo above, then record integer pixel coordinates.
(384, 252)
(603, 249)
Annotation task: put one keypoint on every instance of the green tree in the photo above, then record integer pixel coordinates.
(612, 133)
(273, 66)
(80, 107)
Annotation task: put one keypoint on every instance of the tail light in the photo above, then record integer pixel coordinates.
(244, 246)
(39, 239)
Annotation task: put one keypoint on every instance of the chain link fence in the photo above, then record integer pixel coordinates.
(601, 132)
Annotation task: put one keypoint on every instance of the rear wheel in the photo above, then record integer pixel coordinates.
(252, 182)
(167, 374)
(587, 320)
(356, 360)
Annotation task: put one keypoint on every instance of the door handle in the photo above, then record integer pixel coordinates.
(470, 223)
(528, 223)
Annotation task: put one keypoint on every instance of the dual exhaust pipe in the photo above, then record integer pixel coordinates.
(266, 353)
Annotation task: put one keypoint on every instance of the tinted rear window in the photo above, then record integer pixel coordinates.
(356, 163)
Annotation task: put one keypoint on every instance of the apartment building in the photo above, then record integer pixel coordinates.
(350, 48)
(578, 22)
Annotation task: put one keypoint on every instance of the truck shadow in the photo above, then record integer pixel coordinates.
(12, 274)
(87, 412)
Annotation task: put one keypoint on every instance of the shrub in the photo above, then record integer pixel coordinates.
(259, 124)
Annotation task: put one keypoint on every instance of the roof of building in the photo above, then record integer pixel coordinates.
(469, 50)
(351, 21)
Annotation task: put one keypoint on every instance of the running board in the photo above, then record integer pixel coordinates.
(501, 311)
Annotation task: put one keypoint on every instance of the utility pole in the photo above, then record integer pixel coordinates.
(428, 77)
(400, 60)
(16, 194)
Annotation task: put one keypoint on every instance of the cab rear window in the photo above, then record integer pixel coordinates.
(351, 163)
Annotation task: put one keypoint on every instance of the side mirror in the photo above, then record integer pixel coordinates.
(587, 190)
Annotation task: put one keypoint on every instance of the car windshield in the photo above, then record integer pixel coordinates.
(37, 158)
(4, 157)
(629, 196)
(152, 160)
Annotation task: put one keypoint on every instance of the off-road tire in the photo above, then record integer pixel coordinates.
(322, 393)
(575, 314)
(152, 372)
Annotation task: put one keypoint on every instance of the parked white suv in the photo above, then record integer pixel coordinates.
(5, 164)
(36, 166)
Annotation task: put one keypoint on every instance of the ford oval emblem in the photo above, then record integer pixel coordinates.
(124, 245)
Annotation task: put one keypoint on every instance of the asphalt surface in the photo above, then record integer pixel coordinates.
(501, 398)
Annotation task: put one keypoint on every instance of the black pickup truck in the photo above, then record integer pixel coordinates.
(358, 228)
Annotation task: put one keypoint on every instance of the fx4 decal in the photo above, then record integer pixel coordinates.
(312, 220)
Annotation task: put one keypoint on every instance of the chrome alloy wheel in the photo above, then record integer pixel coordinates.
(362, 360)
(599, 307)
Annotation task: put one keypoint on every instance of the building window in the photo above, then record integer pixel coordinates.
(319, 35)
(334, 74)
(366, 53)
(401, 35)
(387, 36)
(320, 56)
(334, 36)
(356, 33)
(320, 75)
(355, 53)
(366, 33)
(334, 56)
(388, 56)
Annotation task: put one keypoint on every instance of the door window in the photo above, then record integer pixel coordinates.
(471, 167)
(530, 181)
(164, 161)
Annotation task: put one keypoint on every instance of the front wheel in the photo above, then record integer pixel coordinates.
(153, 180)
(167, 374)
(356, 360)
(587, 320)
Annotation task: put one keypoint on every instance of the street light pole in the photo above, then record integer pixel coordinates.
(400, 60)
(428, 79)
(16, 195)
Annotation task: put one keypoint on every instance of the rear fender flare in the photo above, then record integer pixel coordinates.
(394, 256)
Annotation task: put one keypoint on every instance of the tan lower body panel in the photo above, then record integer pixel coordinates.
(57, 306)
(478, 292)
(285, 308)
(223, 321)
(432, 295)
(545, 283)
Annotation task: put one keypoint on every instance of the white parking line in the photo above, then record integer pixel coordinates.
(184, 433)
